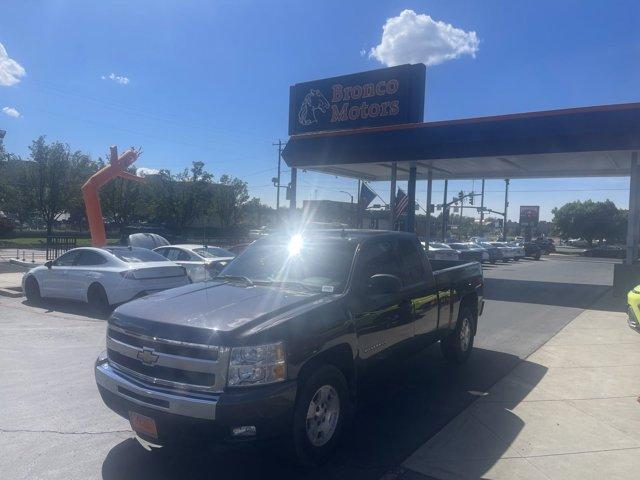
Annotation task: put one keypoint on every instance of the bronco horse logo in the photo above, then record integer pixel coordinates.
(314, 100)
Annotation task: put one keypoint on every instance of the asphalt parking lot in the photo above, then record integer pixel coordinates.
(53, 423)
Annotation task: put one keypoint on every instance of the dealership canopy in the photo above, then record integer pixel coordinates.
(577, 142)
(370, 126)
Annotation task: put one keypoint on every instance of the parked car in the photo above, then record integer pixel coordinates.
(518, 250)
(532, 250)
(606, 251)
(546, 245)
(441, 251)
(577, 242)
(277, 344)
(103, 277)
(202, 262)
(238, 248)
(495, 253)
(470, 252)
(633, 308)
(506, 251)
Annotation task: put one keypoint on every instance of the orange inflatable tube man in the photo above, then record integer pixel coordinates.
(90, 190)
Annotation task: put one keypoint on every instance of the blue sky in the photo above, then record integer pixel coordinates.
(209, 80)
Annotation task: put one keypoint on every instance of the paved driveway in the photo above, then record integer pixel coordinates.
(53, 424)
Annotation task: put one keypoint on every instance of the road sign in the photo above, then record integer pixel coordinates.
(529, 215)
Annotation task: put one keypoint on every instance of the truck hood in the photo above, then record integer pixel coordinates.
(207, 307)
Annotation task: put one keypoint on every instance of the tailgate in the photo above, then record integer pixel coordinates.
(451, 275)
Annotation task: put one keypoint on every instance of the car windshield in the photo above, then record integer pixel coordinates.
(439, 245)
(459, 246)
(138, 255)
(314, 264)
(213, 252)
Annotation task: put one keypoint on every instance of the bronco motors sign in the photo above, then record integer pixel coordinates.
(388, 96)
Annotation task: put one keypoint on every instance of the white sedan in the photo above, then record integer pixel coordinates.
(202, 262)
(103, 277)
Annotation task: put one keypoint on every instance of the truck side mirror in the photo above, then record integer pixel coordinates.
(383, 283)
(48, 264)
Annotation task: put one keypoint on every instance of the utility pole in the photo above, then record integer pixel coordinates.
(445, 212)
(279, 145)
(482, 210)
(506, 206)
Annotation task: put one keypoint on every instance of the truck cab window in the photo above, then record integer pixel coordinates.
(379, 257)
(412, 266)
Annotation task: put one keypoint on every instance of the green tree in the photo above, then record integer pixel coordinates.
(49, 178)
(122, 201)
(590, 220)
(229, 201)
(180, 199)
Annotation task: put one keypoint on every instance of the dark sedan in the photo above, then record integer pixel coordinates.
(532, 250)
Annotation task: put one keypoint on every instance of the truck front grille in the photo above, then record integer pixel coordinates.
(168, 363)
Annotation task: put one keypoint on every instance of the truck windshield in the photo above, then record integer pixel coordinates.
(321, 265)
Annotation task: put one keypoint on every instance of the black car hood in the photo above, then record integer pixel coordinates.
(211, 307)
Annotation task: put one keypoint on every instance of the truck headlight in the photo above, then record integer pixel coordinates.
(257, 365)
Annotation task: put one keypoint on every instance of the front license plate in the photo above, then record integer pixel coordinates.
(143, 424)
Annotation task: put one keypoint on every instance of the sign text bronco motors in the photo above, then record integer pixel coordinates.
(388, 96)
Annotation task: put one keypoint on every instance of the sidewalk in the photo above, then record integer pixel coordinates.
(570, 410)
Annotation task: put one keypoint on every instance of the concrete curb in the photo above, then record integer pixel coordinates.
(24, 263)
(12, 292)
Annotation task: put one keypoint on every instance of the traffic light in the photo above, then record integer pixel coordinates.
(460, 195)
(471, 199)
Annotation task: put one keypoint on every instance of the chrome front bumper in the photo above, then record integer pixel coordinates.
(193, 405)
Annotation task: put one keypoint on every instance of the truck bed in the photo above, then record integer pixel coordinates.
(449, 273)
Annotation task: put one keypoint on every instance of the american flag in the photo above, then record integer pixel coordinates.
(402, 200)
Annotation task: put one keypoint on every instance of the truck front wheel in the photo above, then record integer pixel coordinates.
(319, 416)
(457, 346)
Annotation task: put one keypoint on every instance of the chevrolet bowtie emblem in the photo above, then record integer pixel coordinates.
(148, 356)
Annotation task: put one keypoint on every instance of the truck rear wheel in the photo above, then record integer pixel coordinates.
(321, 408)
(457, 346)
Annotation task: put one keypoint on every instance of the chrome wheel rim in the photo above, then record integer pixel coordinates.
(465, 334)
(322, 415)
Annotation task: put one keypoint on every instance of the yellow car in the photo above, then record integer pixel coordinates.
(633, 308)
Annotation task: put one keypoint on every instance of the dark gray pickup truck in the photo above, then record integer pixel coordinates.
(277, 345)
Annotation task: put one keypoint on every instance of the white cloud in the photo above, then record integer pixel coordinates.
(10, 70)
(121, 79)
(12, 112)
(417, 38)
(144, 171)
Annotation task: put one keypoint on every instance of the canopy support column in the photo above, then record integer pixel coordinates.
(427, 234)
(445, 212)
(411, 205)
(482, 210)
(293, 186)
(392, 195)
(634, 205)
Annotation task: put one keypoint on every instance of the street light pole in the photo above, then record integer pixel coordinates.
(352, 212)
